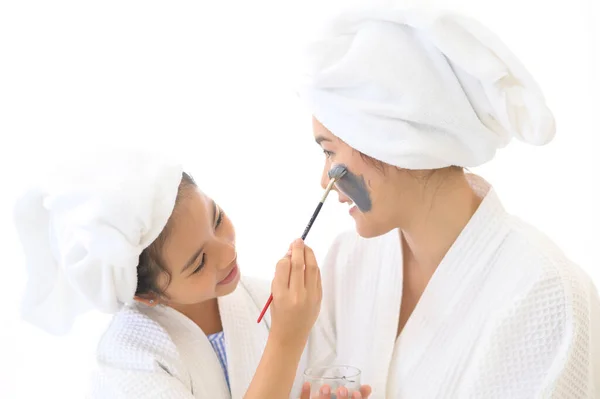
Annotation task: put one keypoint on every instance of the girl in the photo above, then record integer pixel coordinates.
(132, 234)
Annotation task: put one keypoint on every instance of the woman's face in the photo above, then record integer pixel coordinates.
(199, 252)
(386, 194)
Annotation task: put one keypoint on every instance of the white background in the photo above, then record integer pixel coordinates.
(212, 81)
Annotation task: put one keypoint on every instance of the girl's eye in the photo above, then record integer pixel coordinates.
(201, 265)
(219, 219)
(203, 260)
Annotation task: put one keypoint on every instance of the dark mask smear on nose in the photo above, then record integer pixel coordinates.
(354, 187)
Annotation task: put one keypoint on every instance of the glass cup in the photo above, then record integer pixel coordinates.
(334, 377)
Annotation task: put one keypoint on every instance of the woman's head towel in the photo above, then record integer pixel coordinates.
(420, 89)
(83, 230)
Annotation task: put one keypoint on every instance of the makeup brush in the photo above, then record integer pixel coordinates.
(336, 173)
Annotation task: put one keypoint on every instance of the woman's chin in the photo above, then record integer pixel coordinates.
(370, 230)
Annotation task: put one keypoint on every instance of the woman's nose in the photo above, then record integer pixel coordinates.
(325, 176)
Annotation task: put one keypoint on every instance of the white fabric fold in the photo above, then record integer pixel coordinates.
(83, 228)
(421, 88)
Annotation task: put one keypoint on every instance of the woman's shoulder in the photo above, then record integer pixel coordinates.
(533, 249)
(539, 310)
(556, 282)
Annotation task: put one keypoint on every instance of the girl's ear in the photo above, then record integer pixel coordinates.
(149, 299)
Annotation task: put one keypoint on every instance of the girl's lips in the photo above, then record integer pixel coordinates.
(231, 276)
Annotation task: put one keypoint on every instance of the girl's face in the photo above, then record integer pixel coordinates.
(199, 252)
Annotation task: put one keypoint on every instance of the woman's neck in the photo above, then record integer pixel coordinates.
(434, 228)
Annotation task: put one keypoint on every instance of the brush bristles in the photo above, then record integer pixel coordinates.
(337, 172)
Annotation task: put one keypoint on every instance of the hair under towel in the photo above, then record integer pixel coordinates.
(421, 89)
(83, 228)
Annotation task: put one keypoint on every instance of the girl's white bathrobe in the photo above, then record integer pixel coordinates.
(156, 352)
(505, 315)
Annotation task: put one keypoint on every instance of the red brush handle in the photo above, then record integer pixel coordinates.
(262, 314)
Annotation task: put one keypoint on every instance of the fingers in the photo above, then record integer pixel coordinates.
(311, 271)
(365, 391)
(325, 392)
(341, 392)
(319, 284)
(305, 391)
(297, 273)
(282, 277)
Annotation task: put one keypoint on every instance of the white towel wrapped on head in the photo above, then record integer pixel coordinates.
(82, 231)
(421, 89)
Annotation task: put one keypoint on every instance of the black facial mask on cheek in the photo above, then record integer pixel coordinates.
(356, 189)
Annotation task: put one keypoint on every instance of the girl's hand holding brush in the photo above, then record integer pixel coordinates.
(297, 296)
(296, 291)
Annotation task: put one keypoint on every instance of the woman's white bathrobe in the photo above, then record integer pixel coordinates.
(505, 315)
(156, 352)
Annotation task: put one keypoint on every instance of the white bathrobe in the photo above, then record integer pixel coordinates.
(505, 315)
(156, 352)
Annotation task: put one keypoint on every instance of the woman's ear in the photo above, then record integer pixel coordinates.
(149, 299)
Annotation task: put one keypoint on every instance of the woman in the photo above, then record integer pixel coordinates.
(452, 296)
(132, 234)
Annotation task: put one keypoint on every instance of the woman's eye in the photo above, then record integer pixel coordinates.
(328, 154)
